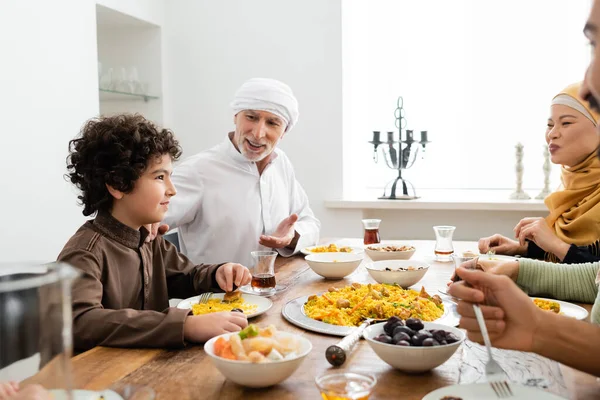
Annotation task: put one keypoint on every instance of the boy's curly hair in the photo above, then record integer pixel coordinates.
(115, 151)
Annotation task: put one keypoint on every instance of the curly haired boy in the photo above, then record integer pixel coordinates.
(122, 166)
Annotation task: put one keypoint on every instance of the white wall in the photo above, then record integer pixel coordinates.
(212, 47)
(151, 11)
(48, 89)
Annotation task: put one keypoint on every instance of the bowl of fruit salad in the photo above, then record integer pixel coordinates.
(413, 345)
(258, 357)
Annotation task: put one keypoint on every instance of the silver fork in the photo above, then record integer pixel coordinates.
(493, 371)
(204, 297)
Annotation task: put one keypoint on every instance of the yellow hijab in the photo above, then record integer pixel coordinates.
(575, 210)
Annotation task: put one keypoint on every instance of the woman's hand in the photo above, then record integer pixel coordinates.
(538, 231)
(499, 244)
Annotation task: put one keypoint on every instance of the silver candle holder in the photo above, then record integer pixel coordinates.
(399, 155)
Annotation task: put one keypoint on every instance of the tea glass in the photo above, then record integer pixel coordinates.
(443, 242)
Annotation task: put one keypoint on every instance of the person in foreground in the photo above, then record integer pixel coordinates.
(243, 195)
(571, 231)
(512, 319)
(122, 165)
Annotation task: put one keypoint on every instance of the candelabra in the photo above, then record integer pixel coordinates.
(399, 154)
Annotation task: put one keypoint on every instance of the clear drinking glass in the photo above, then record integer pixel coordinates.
(36, 323)
(458, 261)
(263, 273)
(371, 231)
(443, 242)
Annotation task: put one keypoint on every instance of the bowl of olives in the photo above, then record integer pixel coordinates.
(413, 345)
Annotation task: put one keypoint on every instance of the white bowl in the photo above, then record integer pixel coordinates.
(334, 265)
(413, 358)
(377, 255)
(402, 278)
(258, 375)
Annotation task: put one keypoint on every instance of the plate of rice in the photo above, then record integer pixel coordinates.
(561, 307)
(331, 248)
(338, 312)
(250, 304)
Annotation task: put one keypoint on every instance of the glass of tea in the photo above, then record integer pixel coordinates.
(443, 242)
(345, 386)
(371, 231)
(460, 260)
(263, 273)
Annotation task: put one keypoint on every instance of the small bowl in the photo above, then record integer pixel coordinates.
(258, 375)
(345, 385)
(403, 278)
(413, 359)
(377, 255)
(334, 265)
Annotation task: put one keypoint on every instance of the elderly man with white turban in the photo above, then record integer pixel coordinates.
(242, 195)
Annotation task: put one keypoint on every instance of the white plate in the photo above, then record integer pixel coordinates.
(293, 311)
(568, 309)
(483, 391)
(263, 303)
(61, 394)
(355, 250)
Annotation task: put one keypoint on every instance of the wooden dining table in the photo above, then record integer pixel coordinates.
(190, 374)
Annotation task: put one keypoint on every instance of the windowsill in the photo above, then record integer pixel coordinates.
(480, 200)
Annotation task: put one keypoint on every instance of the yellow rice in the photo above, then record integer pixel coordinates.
(363, 304)
(215, 305)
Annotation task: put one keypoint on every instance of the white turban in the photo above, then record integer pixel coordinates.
(267, 95)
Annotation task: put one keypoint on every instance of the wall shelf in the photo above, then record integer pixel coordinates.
(115, 95)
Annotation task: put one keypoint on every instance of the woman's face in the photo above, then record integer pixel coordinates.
(571, 137)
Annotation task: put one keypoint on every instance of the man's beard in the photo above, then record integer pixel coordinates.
(253, 156)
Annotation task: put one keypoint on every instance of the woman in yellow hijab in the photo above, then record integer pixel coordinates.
(571, 232)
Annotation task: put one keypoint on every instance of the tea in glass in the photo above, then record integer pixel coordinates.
(443, 242)
(263, 274)
(371, 231)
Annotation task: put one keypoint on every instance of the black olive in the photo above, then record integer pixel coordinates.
(400, 336)
(391, 323)
(439, 335)
(404, 329)
(403, 343)
(414, 324)
(451, 338)
(430, 342)
(419, 337)
(383, 338)
(237, 310)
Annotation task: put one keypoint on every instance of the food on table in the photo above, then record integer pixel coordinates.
(351, 305)
(332, 248)
(257, 345)
(469, 253)
(390, 248)
(410, 332)
(230, 297)
(399, 269)
(216, 305)
(547, 305)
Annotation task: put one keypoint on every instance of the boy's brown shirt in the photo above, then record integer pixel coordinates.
(122, 298)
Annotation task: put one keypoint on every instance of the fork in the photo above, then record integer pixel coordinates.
(494, 373)
(205, 297)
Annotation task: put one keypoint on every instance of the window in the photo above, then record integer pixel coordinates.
(477, 75)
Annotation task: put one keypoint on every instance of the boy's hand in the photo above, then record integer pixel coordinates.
(200, 328)
(8, 389)
(230, 274)
(11, 391)
(501, 245)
